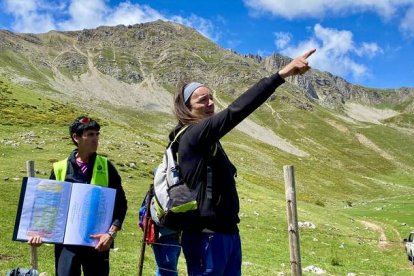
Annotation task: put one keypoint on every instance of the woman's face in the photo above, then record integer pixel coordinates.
(201, 103)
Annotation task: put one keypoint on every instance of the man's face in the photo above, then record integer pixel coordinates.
(88, 141)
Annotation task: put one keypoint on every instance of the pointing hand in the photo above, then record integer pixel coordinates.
(297, 66)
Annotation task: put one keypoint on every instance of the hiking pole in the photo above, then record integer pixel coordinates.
(33, 249)
(144, 237)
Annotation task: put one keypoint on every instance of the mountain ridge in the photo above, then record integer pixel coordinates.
(137, 66)
(162, 52)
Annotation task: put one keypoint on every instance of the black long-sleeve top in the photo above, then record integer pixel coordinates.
(74, 175)
(195, 146)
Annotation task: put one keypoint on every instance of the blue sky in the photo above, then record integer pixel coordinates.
(367, 42)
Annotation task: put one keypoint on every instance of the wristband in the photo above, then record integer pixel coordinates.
(112, 234)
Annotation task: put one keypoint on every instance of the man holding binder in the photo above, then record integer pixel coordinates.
(85, 166)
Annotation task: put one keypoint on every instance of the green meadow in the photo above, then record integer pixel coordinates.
(352, 194)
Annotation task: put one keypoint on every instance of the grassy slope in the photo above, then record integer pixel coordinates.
(338, 173)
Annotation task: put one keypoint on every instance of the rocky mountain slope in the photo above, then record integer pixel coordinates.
(138, 67)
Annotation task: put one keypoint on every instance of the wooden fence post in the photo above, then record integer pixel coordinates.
(292, 217)
(33, 250)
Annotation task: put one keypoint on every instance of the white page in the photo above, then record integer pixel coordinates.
(44, 210)
(90, 212)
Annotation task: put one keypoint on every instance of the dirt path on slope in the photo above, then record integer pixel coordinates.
(371, 145)
(368, 143)
(383, 242)
(95, 85)
(382, 239)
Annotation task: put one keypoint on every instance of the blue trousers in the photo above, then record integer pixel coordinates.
(70, 258)
(212, 254)
(166, 252)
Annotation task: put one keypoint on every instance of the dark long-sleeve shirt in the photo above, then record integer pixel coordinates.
(195, 146)
(74, 175)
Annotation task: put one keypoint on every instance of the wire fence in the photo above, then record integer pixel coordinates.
(165, 244)
(334, 236)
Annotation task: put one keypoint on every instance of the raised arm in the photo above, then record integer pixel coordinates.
(213, 128)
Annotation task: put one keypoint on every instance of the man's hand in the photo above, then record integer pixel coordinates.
(297, 66)
(104, 241)
(35, 241)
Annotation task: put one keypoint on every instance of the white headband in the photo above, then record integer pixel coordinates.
(189, 90)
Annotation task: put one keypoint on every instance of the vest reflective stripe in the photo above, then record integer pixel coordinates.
(60, 168)
(100, 172)
(99, 175)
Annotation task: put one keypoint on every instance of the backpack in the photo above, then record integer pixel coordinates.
(176, 204)
(22, 272)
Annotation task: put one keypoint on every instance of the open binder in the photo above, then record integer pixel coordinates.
(63, 212)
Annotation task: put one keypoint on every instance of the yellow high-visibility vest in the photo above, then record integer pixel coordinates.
(100, 175)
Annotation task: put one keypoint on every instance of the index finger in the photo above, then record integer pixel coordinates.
(308, 53)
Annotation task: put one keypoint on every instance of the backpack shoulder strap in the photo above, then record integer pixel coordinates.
(180, 132)
(213, 150)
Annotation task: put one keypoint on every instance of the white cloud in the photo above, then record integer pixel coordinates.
(282, 39)
(334, 41)
(401, 11)
(335, 52)
(30, 15)
(128, 14)
(21, 7)
(319, 8)
(37, 16)
(204, 26)
(407, 23)
(94, 13)
(368, 49)
(84, 14)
